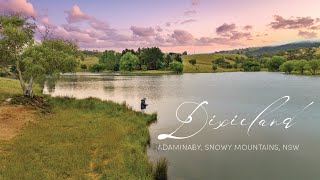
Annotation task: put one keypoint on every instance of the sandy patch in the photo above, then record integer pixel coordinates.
(13, 118)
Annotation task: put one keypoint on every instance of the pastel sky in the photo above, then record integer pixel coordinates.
(197, 26)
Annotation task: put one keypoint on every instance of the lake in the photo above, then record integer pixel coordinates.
(241, 94)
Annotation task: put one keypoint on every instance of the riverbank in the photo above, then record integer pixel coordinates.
(74, 139)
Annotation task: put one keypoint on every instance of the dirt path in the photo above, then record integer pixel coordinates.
(13, 118)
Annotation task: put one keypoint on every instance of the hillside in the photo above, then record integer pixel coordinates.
(273, 49)
(204, 62)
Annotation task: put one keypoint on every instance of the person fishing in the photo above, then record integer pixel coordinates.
(143, 105)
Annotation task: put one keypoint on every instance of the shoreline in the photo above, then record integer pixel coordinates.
(77, 139)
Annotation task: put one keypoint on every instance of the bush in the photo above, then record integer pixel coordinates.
(3, 73)
(144, 68)
(251, 65)
(219, 61)
(214, 67)
(193, 61)
(274, 63)
(83, 66)
(97, 68)
(176, 66)
(287, 66)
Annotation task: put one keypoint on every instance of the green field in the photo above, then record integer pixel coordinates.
(204, 63)
(77, 139)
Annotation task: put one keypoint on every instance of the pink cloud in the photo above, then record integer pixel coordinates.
(190, 12)
(307, 35)
(247, 27)
(225, 28)
(292, 23)
(17, 6)
(76, 15)
(99, 25)
(182, 37)
(142, 31)
(188, 21)
(195, 2)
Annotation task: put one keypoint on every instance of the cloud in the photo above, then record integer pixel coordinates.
(307, 35)
(99, 25)
(168, 24)
(45, 21)
(17, 6)
(76, 15)
(182, 37)
(73, 36)
(195, 2)
(292, 23)
(159, 29)
(225, 28)
(247, 27)
(188, 21)
(229, 31)
(142, 31)
(204, 41)
(190, 12)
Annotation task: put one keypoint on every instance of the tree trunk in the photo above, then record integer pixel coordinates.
(30, 91)
(23, 86)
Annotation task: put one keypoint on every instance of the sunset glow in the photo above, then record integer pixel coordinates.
(197, 26)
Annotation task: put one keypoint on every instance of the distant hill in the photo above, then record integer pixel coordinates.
(268, 49)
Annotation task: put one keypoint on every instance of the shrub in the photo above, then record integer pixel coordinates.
(97, 68)
(83, 66)
(176, 66)
(214, 67)
(161, 169)
(144, 68)
(193, 61)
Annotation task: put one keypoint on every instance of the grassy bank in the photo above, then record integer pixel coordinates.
(11, 87)
(78, 139)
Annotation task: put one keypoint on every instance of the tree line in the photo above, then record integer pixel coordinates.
(142, 59)
(294, 60)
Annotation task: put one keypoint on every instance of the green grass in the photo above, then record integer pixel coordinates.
(204, 63)
(90, 60)
(11, 87)
(78, 139)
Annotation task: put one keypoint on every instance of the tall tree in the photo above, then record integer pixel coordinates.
(129, 62)
(151, 57)
(33, 61)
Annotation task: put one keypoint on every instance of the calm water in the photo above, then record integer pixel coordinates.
(228, 94)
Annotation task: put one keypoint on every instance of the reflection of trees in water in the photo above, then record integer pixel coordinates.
(119, 88)
(50, 84)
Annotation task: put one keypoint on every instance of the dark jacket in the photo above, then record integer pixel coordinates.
(143, 104)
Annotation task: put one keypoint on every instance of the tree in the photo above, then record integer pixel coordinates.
(219, 61)
(185, 53)
(287, 66)
(97, 67)
(300, 66)
(176, 67)
(34, 61)
(313, 66)
(129, 62)
(274, 63)
(214, 67)
(110, 59)
(151, 57)
(250, 65)
(193, 61)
